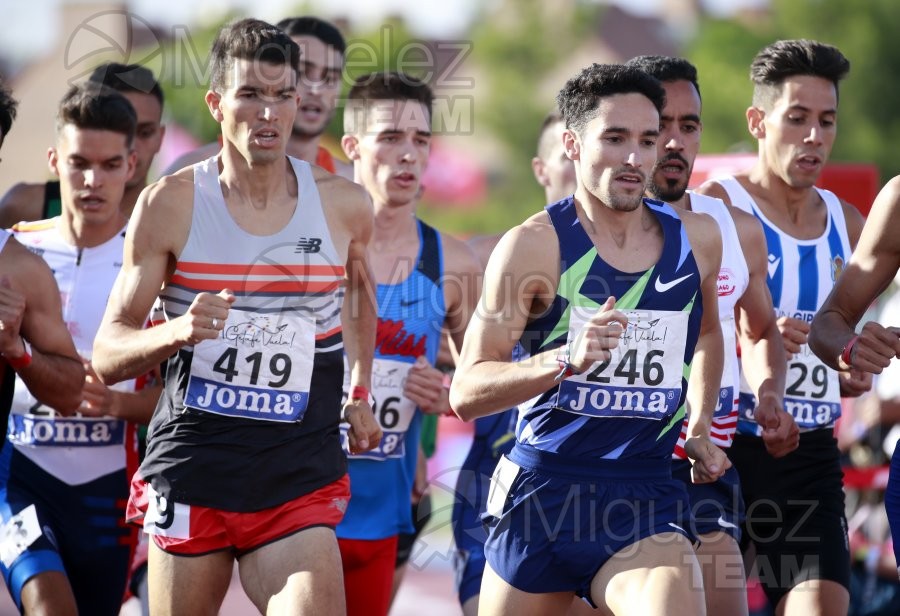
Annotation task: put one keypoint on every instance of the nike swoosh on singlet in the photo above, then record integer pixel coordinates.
(662, 287)
(725, 523)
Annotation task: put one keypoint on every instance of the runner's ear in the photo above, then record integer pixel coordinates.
(350, 145)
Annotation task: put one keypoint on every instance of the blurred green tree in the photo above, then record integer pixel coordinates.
(516, 45)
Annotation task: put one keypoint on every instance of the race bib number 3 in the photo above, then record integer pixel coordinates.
(392, 410)
(19, 532)
(260, 367)
(642, 378)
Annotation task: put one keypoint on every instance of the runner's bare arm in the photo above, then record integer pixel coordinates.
(709, 462)
(100, 400)
(762, 346)
(464, 275)
(359, 315)
(870, 270)
(520, 282)
(706, 370)
(761, 343)
(360, 311)
(853, 382)
(55, 374)
(158, 231)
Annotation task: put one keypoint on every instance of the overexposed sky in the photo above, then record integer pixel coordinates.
(31, 26)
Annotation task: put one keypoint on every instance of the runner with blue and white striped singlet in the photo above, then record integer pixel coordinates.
(614, 299)
(717, 509)
(795, 503)
(801, 275)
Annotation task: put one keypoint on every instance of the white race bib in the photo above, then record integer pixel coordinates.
(642, 379)
(165, 518)
(260, 367)
(17, 535)
(34, 424)
(812, 396)
(813, 393)
(393, 411)
(505, 474)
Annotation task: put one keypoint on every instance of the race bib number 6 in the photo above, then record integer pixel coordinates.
(641, 379)
(392, 410)
(260, 367)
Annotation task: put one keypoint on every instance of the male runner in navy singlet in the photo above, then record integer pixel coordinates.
(604, 291)
(495, 434)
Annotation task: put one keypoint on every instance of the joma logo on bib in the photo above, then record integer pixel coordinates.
(27, 430)
(810, 414)
(246, 402)
(616, 402)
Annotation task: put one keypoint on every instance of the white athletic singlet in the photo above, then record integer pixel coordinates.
(801, 275)
(734, 277)
(73, 449)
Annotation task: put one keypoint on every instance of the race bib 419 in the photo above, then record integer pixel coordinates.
(260, 367)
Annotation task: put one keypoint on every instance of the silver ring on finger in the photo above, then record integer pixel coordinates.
(215, 323)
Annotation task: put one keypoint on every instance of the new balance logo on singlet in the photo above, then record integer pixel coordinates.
(308, 244)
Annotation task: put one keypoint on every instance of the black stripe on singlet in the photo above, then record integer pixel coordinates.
(7, 387)
(430, 263)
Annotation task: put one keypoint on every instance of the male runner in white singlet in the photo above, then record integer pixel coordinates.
(795, 504)
(254, 252)
(745, 305)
